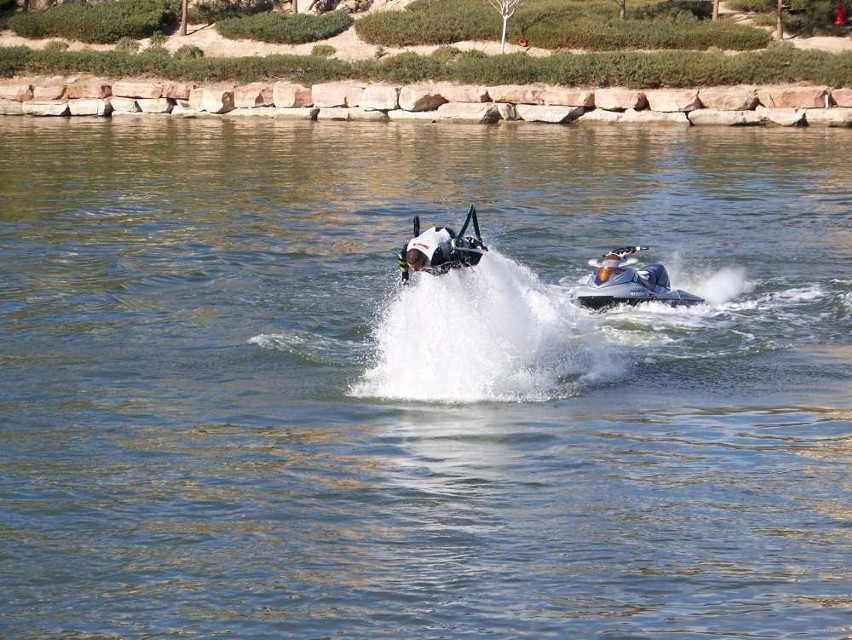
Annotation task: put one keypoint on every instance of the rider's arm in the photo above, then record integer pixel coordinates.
(403, 265)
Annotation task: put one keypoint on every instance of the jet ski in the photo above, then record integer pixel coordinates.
(616, 281)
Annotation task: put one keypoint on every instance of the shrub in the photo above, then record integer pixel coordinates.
(554, 24)
(675, 11)
(755, 6)
(127, 45)
(285, 28)
(7, 9)
(323, 51)
(617, 34)
(779, 63)
(188, 52)
(431, 22)
(14, 60)
(446, 54)
(210, 11)
(104, 23)
(56, 45)
(403, 68)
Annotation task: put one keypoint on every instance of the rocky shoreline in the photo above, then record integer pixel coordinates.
(429, 102)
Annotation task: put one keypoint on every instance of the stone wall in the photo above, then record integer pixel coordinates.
(430, 102)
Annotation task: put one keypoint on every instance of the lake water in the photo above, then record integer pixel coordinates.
(222, 417)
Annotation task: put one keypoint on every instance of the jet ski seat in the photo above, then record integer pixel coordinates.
(653, 276)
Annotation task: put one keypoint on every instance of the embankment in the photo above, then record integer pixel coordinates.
(429, 102)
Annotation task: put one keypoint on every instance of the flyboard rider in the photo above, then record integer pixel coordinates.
(439, 249)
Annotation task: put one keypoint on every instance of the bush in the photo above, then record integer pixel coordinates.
(188, 52)
(285, 28)
(127, 45)
(405, 68)
(755, 6)
(431, 22)
(777, 64)
(7, 10)
(15, 60)
(676, 11)
(56, 45)
(446, 54)
(554, 24)
(104, 23)
(210, 11)
(323, 51)
(617, 34)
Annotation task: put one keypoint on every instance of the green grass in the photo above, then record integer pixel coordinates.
(776, 64)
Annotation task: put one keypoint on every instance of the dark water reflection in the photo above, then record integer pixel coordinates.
(188, 446)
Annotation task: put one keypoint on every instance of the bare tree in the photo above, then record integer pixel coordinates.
(507, 10)
(295, 7)
(622, 9)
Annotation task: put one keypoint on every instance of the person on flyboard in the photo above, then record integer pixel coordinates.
(439, 249)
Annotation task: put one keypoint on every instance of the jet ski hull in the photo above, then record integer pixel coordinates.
(599, 302)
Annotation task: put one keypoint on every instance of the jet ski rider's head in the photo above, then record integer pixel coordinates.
(416, 259)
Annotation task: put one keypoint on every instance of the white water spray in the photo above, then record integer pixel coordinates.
(723, 286)
(490, 333)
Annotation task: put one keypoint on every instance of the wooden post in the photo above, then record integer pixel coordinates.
(779, 20)
(184, 13)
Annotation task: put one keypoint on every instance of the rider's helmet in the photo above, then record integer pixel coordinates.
(416, 259)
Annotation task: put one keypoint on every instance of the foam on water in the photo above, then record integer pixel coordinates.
(310, 347)
(491, 333)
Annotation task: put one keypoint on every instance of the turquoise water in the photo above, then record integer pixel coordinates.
(223, 418)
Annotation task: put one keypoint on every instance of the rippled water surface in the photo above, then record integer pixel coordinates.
(223, 418)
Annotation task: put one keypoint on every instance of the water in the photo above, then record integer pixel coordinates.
(223, 418)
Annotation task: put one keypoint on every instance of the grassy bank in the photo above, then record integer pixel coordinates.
(664, 43)
(776, 64)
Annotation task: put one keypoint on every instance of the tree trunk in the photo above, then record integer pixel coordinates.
(184, 14)
(779, 20)
(716, 9)
(503, 39)
(295, 7)
(622, 9)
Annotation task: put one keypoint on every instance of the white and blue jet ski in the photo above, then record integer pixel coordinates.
(616, 281)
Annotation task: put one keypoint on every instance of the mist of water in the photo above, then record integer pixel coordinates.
(491, 333)
(723, 286)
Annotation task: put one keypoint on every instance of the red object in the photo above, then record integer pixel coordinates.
(522, 42)
(839, 14)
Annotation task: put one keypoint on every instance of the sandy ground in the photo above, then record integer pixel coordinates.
(349, 47)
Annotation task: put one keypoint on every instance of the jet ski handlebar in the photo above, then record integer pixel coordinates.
(626, 251)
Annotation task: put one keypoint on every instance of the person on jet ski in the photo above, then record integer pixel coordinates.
(439, 249)
(650, 276)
